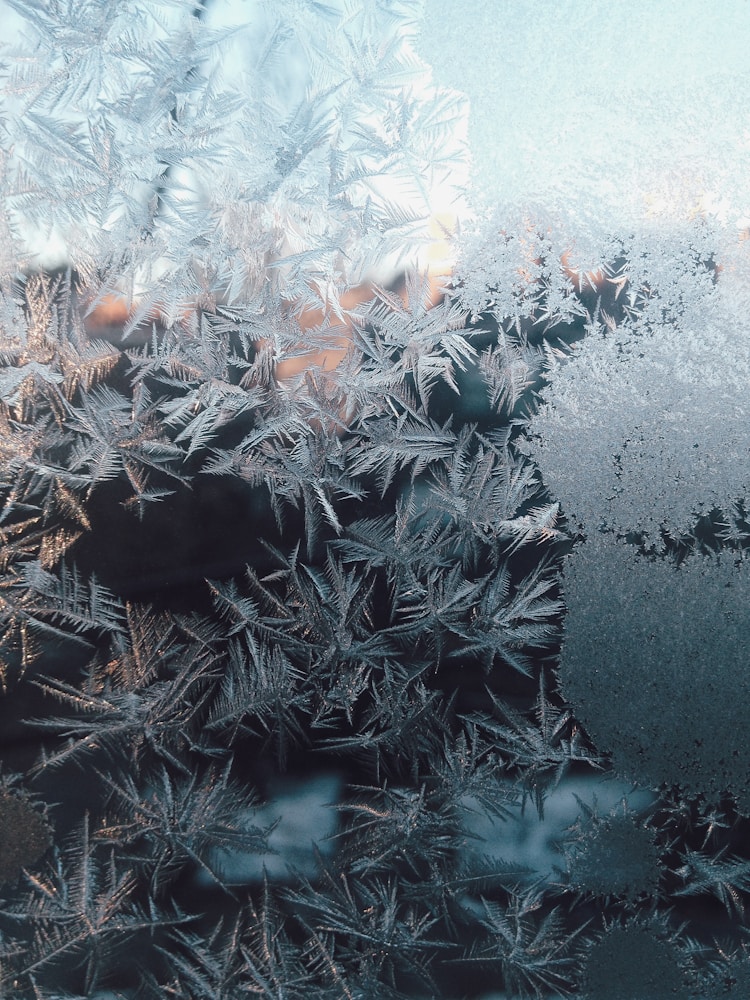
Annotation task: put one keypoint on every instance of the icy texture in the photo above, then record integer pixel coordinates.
(634, 961)
(612, 855)
(655, 662)
(647, 425)
(370, 569)
(193, 155)
(605, 110)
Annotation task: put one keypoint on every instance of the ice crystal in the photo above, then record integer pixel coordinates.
(296, 425)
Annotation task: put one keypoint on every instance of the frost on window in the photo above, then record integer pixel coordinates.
(670, 702)
(374, 425)
(191, 153)
(609, 234)
(645, 427)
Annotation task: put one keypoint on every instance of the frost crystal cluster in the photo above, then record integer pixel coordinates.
(646, 427)
(183, 150)
(374, 469)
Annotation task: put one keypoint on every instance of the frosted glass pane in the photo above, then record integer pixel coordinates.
(618, 111)
(374, 514)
